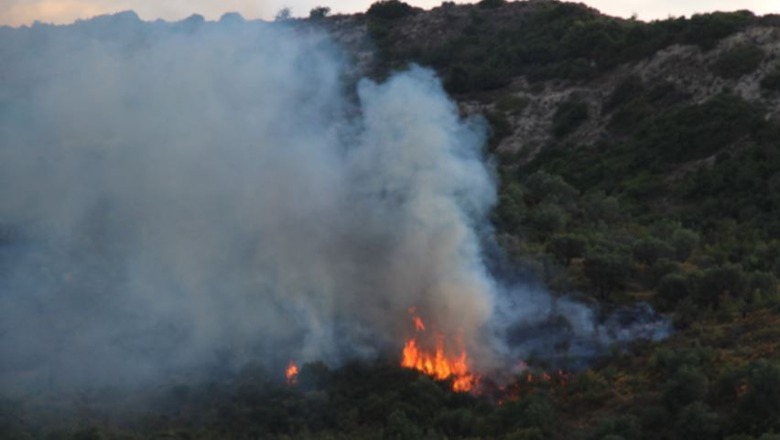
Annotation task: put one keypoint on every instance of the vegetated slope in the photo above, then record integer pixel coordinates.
(664, 133)
(638, 161)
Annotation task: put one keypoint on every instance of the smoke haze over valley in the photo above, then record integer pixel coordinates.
(177, 193)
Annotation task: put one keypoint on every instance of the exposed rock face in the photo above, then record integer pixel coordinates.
(688, 72)
(687, 68)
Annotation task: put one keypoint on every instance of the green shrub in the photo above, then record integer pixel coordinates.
(606, 272)
(400, 427)
(772, 80)
(512, 104)
(698, 130)
(688, 385)
(390, 9)
(566, 247)
(763, 285)
(728, 280)
(758, 411)
(569, 116)
(531, 411)
(626, 91)
(626, 427)
(672, 289)
(526, 434)
(684, 242)
(706, 30)
(590, 387)
(547, 218)
(319, 12)
(739, 60)
(550, 187)
(697, 422)
(649, 250)
(487, 4)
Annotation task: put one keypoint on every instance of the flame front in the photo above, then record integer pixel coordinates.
(292, 373)
(438, 364)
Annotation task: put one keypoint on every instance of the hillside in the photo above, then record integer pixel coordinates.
(636, 162)
(649, 117)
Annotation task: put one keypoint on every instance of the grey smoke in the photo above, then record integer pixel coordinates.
(173, 191)
(177, 190)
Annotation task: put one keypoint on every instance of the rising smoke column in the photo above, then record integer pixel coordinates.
(171, 194)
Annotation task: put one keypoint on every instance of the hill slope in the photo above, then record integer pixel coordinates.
(637, 161)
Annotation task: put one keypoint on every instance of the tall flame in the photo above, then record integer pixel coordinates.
(438, 363)
(292, 373)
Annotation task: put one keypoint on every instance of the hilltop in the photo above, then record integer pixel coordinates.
(638, 162)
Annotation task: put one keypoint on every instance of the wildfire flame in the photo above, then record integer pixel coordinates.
(438, 363)
(292, 373)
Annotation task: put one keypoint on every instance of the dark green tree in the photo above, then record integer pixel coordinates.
(565, 247)
(688, 385)
(606, 272)
(319, 12)
(697, 422)
(671, 289)
(569, 116)
(649, 250)
(758, 411)
(390, 9)
(400, 427)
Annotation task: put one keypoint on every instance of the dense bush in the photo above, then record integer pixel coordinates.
(390, 9)
(491, 3)
(619, 427)
(319, 12)
(687, 386)
(758, 411)
(699, 130)
(672, 289)
(566, 247)
(706, 30)
(739, 60)
(698, 422)
(569, 116)
(554, 40)
(628, 90)
(772, 80)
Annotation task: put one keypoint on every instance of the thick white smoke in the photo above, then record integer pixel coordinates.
(172, 195)
(170, 192)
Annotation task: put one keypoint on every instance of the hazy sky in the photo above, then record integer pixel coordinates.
(19, 12)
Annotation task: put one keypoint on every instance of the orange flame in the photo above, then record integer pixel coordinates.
(292, 373)
(438, 364)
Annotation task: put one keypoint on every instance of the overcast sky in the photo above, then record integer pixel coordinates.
(19, 12)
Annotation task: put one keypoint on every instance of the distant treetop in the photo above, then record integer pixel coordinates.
(390, 9)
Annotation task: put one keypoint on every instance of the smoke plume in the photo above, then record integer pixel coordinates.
(175, 193)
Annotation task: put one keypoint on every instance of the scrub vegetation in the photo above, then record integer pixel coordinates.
(677, 204)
